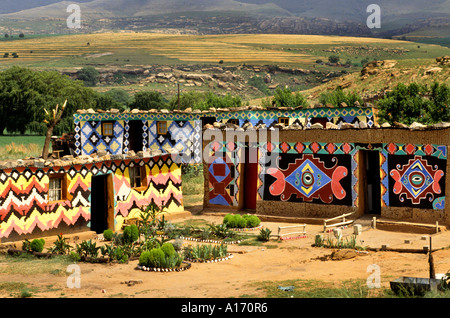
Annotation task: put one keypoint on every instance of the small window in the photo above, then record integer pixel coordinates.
(283, 120)
(107, 129)
(161, 127)
(138, 177)
(233, 121)
(57, 189)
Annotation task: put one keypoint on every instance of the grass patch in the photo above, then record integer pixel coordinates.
(319, 289)
(27, 264)
(19, 147)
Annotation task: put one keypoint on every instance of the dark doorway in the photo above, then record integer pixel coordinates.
(102, 203)
(250, 172)
(208, 120)
(322, 121)
(373, 190)
(135, 137)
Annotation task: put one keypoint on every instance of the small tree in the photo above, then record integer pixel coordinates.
(333, 59)
(51, 119)
(89, 75)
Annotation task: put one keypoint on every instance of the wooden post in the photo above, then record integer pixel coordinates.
(374, 222)
(431, 263)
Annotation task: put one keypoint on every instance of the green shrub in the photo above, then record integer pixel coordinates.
(108, 235)
(37, 245)
(264, 235)
(156, 257)
(130, 233)
(252, 220)
(144, 258)
(238, 221)
(168, 249)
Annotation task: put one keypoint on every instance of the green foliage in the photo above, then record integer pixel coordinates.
(60, 246)
(108, 235)
(415, 103)
(24, 94)
(37, 245)
(241, 221)
(168, 249)
(205, 252)
(87, 249)
(258, 82)
(148, 100)
(89, 75)
(286, 98)
(157, 258)
(338, 96)
(130, 233)
(333, 59)
(264, 234)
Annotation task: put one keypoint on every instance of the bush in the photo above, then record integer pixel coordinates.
(144, 259)
(252, 220)
(238, 221)
(168, 249)
(156, 257)
(130, 233)
(108, 235)
(37, 245)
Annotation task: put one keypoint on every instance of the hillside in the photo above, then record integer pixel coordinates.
(325, 17)
(249, 65)
(380, 76)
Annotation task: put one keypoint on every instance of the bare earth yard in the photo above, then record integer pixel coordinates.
(244, 274)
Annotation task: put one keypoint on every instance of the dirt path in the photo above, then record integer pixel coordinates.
(242, 275)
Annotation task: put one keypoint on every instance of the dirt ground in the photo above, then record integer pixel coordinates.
(250, 265)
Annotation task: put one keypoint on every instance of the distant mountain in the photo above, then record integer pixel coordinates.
(340, 17)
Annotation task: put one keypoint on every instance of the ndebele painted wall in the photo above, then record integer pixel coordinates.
(84, 193)
(397, 173)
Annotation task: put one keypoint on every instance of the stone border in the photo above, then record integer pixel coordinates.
(229, 256)
(159, 269)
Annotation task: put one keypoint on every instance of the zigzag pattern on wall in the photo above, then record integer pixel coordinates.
(24, 205)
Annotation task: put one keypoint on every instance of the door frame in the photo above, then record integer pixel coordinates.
(107, 221)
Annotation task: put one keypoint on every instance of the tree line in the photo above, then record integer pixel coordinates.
(25, 95)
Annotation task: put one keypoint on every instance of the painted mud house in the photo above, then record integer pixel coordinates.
(122, 161)
(85, 193)
(398, 173)
(181, 131)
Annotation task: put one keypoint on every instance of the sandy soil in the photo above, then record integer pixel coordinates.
(250, 265)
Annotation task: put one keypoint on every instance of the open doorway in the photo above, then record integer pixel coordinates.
(135, 136)
(372, 185)
(250, 178)
(102, 203)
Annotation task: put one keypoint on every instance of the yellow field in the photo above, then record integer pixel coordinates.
(185, 48)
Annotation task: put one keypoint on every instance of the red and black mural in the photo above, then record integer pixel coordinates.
(316, 178)
(416, 181)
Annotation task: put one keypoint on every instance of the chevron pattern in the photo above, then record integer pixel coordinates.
(24, 205)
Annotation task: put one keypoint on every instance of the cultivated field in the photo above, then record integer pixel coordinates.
(140, 49)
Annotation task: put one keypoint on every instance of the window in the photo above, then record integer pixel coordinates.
(107, 129)
(233, 121)
(57, 188)
(161, 127)
(283, 120)
(138, 177)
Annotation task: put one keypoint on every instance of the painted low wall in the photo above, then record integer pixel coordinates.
(320, 173)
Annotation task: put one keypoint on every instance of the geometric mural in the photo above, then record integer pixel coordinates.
(310, 178)
(224, 174)
(24, 193)
(416, 181)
